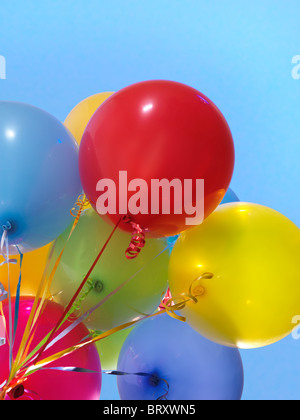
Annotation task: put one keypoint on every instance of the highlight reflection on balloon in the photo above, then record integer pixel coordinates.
(52, 384)
(156, 130)
(39, 176)
(179, 361)
(253, 253)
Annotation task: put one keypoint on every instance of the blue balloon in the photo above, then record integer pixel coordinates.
(176, 357)
(230, 197)
(171, 241)
(39, 176)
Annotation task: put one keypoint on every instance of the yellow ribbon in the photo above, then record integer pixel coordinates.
(170, 307)
(45, 282)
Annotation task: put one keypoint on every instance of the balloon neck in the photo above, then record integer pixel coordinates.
(7, 226)
(98, 286)
(154, 380)
(20, 393)
(16, 392)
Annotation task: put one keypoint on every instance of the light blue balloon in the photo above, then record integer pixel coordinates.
(171, 240)
(177, 356)
(39, 176)
(230, 197)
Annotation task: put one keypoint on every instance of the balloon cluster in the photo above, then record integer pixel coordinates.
(100, 275)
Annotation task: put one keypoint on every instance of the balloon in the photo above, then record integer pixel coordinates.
(109, 348)
(253, 253)
(148, 274)
(50, 384)
(177, 357)
(78, 118)
(171, 241)
(33, 266)
(230, 197)
(39, 178)
(151, 132)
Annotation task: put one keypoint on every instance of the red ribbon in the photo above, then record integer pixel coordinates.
(165, 300)
(137, 239)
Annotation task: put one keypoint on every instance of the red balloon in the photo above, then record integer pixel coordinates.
(53, 384)
(152, 131)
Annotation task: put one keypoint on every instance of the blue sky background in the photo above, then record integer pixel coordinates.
(237, 53)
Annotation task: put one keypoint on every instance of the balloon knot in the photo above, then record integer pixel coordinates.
(16, 392)
(7, 226)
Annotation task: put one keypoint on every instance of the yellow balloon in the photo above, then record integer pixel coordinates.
(253, 253)
(79, 117)
(33, 266)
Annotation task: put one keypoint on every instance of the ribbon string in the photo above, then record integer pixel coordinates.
(39, 301)
(69, 306)
(5, 254)
(26, 364)
(17, 301)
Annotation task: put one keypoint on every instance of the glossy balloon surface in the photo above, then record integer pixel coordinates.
(189, 366)
(253, 253)
(51, 384)
(39, 176)
(157, 130)
(146, 275)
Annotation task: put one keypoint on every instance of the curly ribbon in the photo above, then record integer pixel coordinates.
(178, 303)
(165, 299)
(170, 306)
(82, 203)
(137, 239)
(76, 307)
(37, 364)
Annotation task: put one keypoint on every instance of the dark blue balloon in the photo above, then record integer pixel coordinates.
(230, 197)
(39, 176)
(178, 358)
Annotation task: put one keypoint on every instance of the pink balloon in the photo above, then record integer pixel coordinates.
(51, 384)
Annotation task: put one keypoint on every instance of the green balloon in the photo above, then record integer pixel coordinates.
(109, 349)
(148, 273)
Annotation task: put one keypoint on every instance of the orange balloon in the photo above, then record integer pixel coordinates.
(33, 266)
